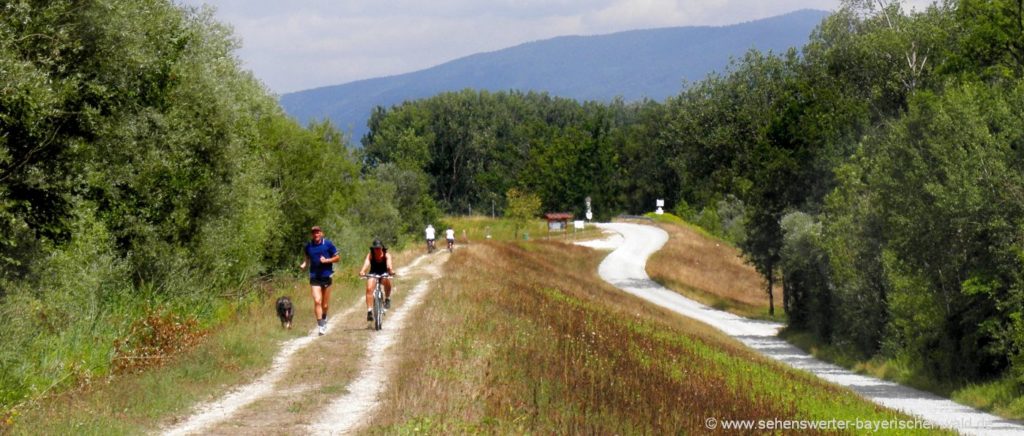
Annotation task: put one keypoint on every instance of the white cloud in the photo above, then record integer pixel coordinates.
(310, 43)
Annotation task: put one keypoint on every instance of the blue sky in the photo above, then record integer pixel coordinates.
(304, 44)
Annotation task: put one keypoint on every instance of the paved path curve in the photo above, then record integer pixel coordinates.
(625, 268)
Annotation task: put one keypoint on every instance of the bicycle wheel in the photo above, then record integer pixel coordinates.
(378, 310)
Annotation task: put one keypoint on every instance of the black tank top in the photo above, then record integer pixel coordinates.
(379, 267)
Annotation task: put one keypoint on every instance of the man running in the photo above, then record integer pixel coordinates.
(378, 261)
(320, 255)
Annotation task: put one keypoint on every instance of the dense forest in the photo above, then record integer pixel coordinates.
(144, 174)
(878, 172)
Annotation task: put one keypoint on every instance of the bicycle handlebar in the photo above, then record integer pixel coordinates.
(376, 276)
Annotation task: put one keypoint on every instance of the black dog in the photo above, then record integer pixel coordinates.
(284, 311)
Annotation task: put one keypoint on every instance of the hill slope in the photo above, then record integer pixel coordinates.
(632, 65)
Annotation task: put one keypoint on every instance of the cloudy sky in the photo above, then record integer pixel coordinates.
(304, 44)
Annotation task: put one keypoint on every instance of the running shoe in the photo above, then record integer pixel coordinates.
(387, 303)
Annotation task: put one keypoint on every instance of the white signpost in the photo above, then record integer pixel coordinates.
(661, 206)
(590, 215)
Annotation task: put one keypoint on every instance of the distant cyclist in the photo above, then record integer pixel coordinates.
(430, 237)
(450, 236)
(319, 255)
(378, 261)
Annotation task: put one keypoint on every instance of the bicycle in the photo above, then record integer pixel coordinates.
(451, 245)
(378, 299)
(430, 246)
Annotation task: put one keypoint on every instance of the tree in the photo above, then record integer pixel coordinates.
(992, 46)
(521, 207)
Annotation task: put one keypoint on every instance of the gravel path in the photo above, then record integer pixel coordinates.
(348, 412)
(205, 417)
(625, 268)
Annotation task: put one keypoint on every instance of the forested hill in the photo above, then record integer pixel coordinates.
(636, 64)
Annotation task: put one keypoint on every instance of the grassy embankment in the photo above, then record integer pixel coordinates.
(137, 398)
(700, 266)
(704, 268)
(478, 227)
(1002, 396)
(524, 337)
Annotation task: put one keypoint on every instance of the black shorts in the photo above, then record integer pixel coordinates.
(322, 282)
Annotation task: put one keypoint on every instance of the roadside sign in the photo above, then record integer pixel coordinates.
(578, 225)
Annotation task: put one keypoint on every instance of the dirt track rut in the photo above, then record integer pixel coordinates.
(322, 385)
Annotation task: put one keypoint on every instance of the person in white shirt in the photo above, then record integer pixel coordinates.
(430, 237)
(450, 236)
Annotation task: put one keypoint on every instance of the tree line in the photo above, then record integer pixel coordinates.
(878, 172)
(142, 169)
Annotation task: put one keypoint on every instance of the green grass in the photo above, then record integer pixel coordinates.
(1003, 396)
(500, 229)
(236, 352)
(667, 218)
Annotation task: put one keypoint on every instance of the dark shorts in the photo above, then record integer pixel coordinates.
(322, 282)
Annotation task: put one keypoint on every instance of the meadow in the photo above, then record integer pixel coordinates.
(476, 228)
(525, 338)
(704, 268)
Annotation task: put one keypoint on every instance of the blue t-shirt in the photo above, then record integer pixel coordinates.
(326, 249)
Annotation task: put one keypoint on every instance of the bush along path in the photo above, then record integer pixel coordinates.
(625, 269)
(325, 384)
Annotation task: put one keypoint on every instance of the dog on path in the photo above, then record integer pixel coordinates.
(285, 312)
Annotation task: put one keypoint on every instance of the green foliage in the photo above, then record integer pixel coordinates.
(412, 200)
(474, 146)
(941, 182)
(141, 170)
(805, 276)
(55, 331)
(709, 220)
(992, 46)
(521, 207)
(684, 210)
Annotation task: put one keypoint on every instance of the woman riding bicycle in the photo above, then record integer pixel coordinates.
(378, 261)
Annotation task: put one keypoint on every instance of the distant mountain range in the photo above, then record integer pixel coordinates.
(633, 65)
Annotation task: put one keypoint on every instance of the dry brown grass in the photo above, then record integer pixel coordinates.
(525, 338)
(712, 272)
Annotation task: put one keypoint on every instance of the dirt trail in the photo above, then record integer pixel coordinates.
(346, 413)
(309, 386)
(625, 269)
